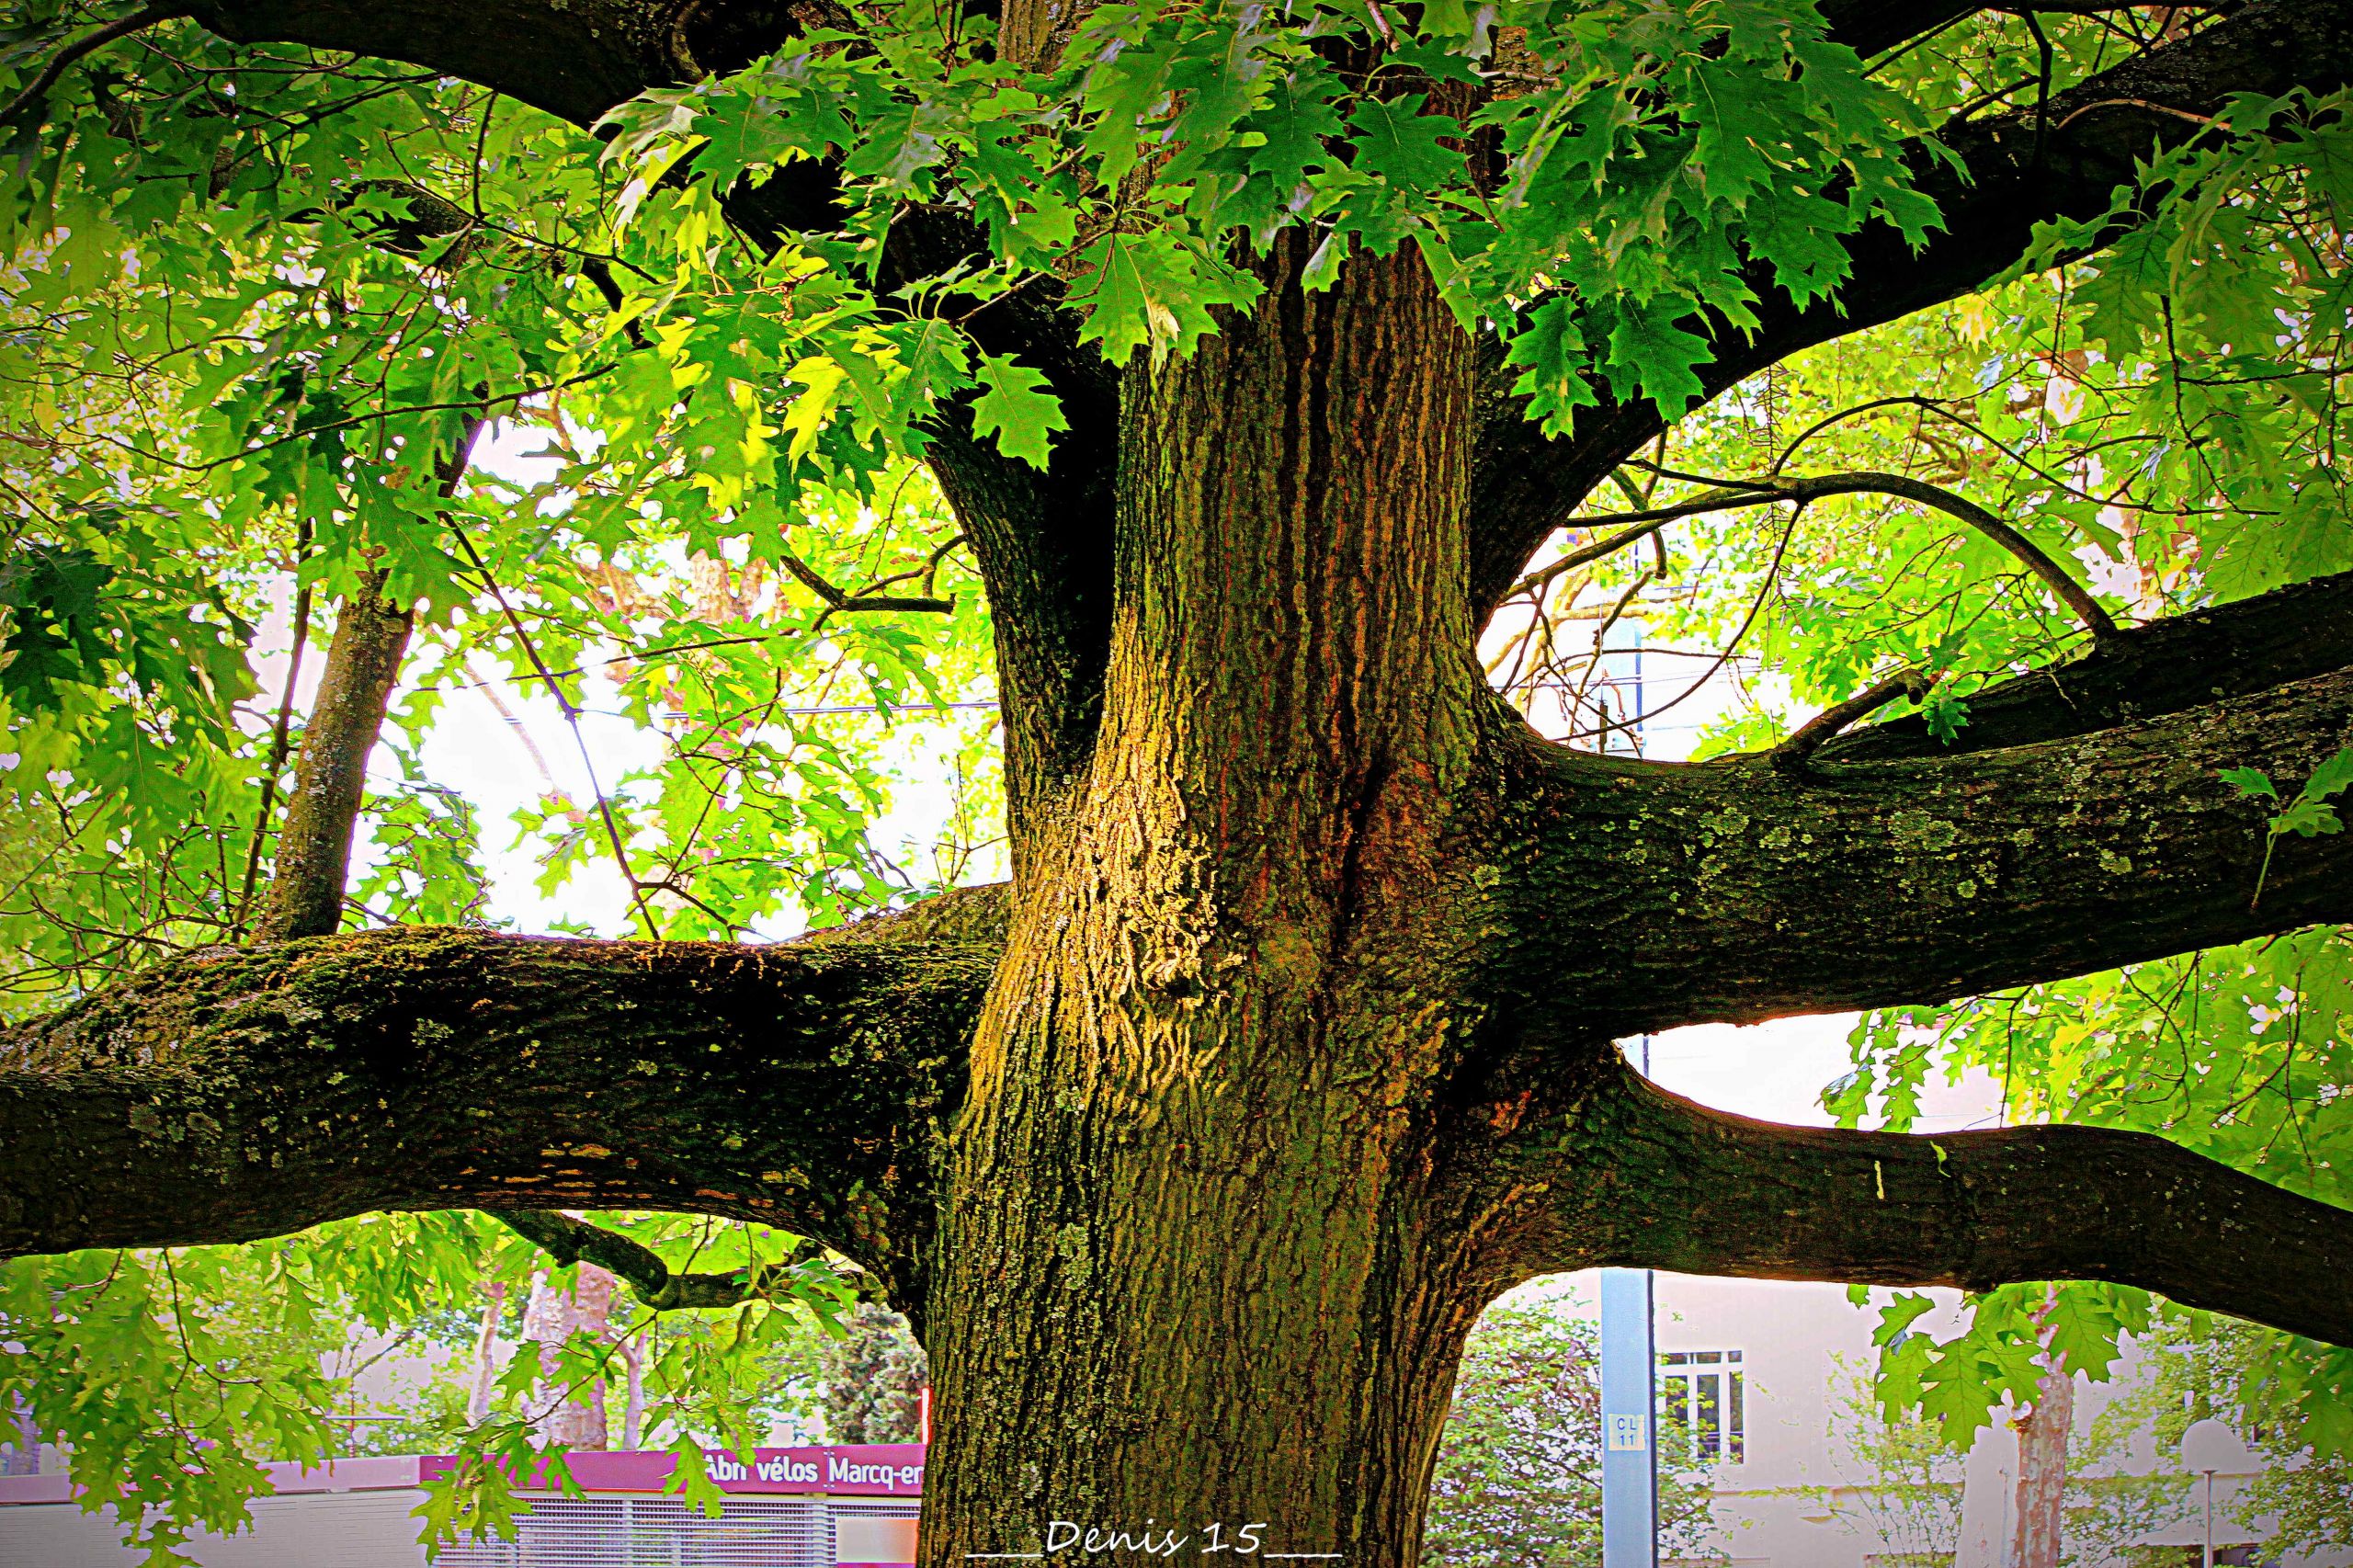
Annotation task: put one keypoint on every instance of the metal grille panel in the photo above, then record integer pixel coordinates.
(657, 1532)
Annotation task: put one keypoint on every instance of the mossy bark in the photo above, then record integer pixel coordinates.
(238, 1093)
(1296, 1040)
(1193, 1274)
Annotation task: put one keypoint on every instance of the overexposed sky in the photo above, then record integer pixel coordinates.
(504, 761)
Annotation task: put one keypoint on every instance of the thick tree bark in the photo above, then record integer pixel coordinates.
(2185, 660)
(2040, 1518)
(1730, 891)
(236, 1094)
(1223, 996)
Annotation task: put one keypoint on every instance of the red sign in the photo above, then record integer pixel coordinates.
(848, 1469)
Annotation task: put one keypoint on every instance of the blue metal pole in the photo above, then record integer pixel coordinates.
(1629, 1441)
(1629, 1404)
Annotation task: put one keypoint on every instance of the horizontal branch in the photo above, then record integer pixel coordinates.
(1700, 1191)
(843, 599)
(238, 1093)
(1736, 890)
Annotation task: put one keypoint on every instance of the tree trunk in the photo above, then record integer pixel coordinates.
(2039, 1529)
(331, 770)
(569, 1411)
(1225, 981)
(24, 1453)
(486, 1368)
(633, 1404)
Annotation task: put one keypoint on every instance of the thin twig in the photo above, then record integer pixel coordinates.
(571, 718)
(46, 77)
(840, 599)
(2070, 593)
(1792, 754)
(484, 404)
(1772, 576)
(282, 732)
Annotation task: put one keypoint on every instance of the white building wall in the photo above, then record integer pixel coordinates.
(1792, 1500)
(350, 1530)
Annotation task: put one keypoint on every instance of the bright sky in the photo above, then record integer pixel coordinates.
(1775, 1070)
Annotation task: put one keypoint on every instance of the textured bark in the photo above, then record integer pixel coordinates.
(2185, 660)
(331, 769)
(2039, 1517)
(243, 1093)
(1212, 1009)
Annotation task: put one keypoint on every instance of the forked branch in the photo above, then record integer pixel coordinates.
(571, 1240)
(1739, 890)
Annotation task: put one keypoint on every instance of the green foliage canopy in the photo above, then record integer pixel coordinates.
(257, 302)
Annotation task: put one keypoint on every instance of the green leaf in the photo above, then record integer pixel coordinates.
(1551, 352)
(1017, 409)
(2252, 782)
(1650, 353)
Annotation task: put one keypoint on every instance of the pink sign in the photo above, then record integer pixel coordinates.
(848, 1469)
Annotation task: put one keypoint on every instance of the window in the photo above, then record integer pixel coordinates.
(1700, 1391)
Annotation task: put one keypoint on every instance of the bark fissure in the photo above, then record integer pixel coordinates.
(1204, 1014)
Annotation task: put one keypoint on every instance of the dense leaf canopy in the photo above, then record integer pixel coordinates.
(282, 328)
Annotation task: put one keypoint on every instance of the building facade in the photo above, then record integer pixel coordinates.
(840, 1507)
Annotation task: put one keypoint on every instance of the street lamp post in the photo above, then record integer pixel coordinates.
(2209, 1445)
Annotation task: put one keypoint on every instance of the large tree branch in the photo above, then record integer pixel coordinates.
(2022, 169)
(1736, 891)
(243, 1093)
(1703, 1192)
(2183, 660)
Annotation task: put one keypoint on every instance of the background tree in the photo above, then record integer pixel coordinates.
(1519, 1473)
(875, 1378)
(1259, 361)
